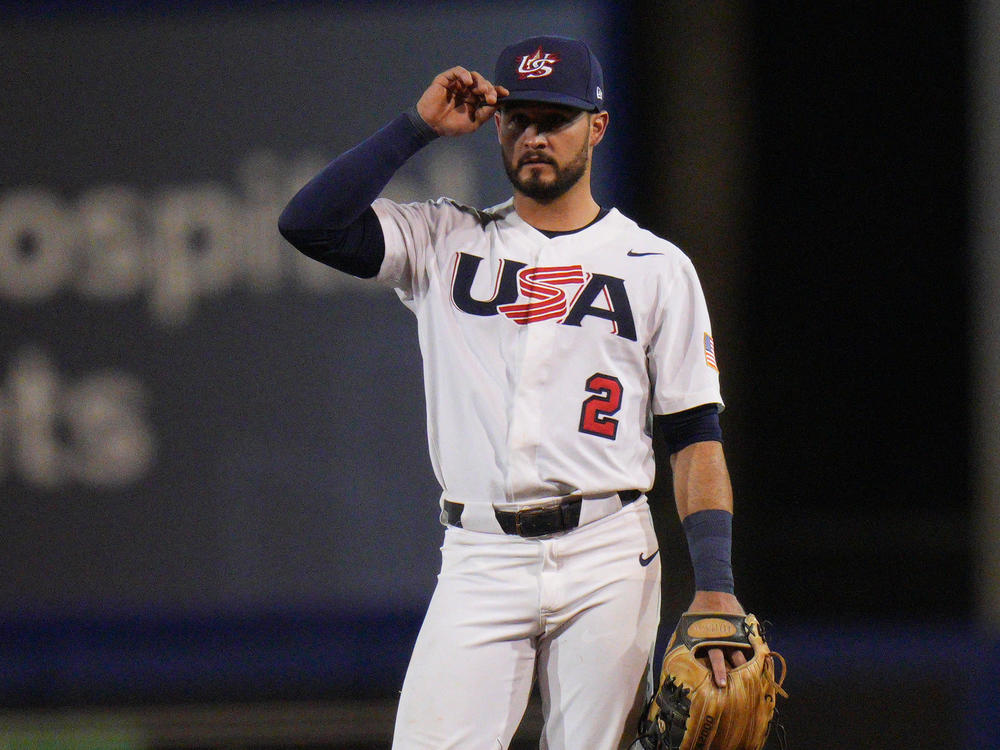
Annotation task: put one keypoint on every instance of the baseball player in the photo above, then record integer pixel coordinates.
(553, 330)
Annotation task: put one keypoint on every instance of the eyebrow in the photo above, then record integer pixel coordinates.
(564, 116)
(543, 108)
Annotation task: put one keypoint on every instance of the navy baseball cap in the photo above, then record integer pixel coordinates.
(551, 69)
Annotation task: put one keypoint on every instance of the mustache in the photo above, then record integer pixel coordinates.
(534, 159)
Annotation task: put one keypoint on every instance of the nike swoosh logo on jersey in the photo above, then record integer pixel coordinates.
(644, 561)
(634, 254)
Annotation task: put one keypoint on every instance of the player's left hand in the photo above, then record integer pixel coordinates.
(722, 660)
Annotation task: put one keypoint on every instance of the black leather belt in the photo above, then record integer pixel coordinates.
(531, 522)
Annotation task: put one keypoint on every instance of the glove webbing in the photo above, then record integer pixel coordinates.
(675, 707)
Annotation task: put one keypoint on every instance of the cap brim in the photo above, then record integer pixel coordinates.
(549, 97)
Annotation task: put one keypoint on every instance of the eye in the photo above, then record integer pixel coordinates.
(547, 122)
(519, 121)
(555, 122)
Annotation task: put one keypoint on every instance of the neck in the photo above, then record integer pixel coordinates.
(573, 210)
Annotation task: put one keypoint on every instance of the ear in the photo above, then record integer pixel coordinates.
(496, 119)
(598, 127)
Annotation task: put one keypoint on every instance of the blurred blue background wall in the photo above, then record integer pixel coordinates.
(213, 474)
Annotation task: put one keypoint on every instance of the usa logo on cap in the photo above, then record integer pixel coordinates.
(537, 65)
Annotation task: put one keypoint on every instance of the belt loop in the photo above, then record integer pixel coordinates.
(628, 496)
(453, 513)
(571, 512)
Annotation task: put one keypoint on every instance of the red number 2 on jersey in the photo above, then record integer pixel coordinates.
(595, 416)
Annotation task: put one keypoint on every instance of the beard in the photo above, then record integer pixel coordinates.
(544, 190)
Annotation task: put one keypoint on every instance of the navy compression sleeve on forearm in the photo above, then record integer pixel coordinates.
(690, 426)
(710, 543)
(330, 219)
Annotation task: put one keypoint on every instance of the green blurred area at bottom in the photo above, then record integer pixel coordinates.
(64, 739)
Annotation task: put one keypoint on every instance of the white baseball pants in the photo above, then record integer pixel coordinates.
(580, 606)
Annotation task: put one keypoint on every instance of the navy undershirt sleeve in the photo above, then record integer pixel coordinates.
(331, 220)
(690, 426)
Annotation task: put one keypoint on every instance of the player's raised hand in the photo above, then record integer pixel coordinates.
(458, 101)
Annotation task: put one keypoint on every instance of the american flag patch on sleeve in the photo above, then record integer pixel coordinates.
(710, 353)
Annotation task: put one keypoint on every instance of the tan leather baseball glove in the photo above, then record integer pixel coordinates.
(690, 712)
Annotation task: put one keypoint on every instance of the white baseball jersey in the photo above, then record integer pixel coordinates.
(545, 358)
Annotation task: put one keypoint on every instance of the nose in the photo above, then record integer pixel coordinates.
(533, 136)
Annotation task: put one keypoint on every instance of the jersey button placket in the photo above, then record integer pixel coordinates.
(538, 350)
(534, 350)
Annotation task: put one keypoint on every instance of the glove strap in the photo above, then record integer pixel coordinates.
(699, 629)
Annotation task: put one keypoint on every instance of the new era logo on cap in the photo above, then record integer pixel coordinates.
(551, 69)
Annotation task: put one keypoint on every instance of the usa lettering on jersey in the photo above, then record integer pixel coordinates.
(565, 294)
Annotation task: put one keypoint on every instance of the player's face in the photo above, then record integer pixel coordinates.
(545, 148)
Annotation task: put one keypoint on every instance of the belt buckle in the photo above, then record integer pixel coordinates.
(531, 517)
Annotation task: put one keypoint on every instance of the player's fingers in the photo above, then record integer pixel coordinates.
(738, 658)
(718, 661)
(484, 113)
(459, 75)
(455, 80)
(482, 88)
